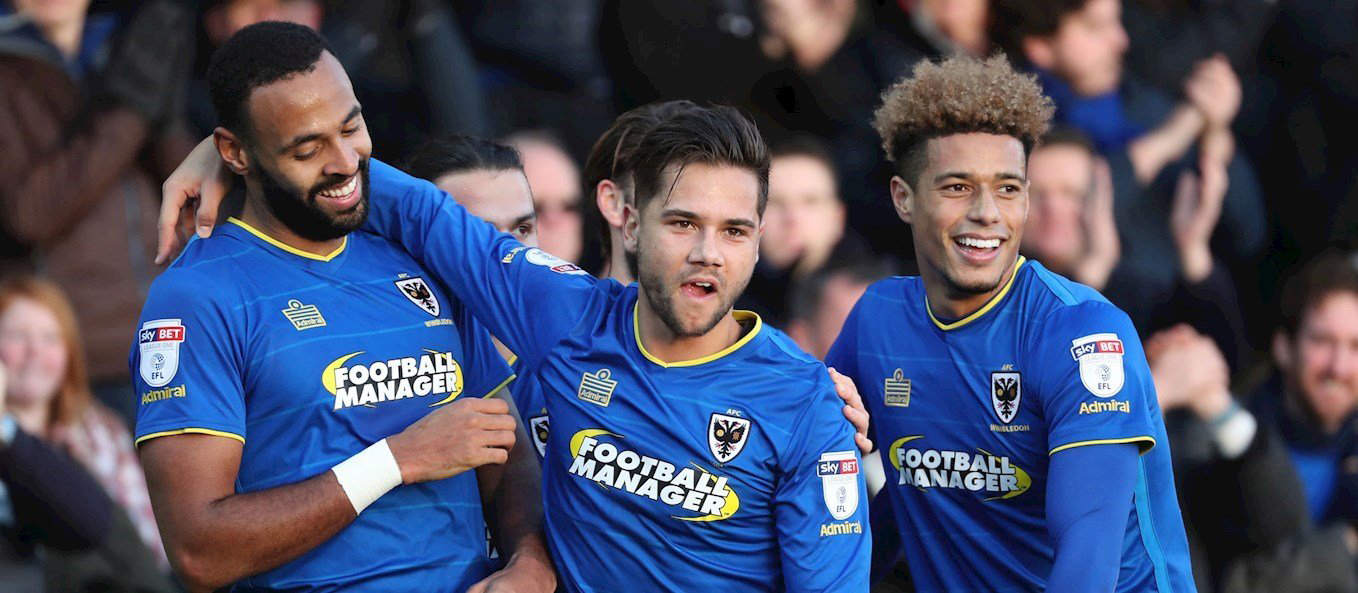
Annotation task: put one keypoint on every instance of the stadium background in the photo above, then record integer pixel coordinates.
(95, 111)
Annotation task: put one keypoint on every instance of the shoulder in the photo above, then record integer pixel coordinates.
(893, 294)
(1048, 293)
(210, 273)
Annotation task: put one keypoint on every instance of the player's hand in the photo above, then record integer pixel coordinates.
(516, 578)
(190, 199)
(853, 410)
(463, 435)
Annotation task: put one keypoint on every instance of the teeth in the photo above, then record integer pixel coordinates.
(341, 191)
(704, 284)
(978, 243)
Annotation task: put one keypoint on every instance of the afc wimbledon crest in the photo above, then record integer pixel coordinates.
(541, 426)
(838, 473)
(1006, 387)
(726, 436)
(1100, 357)
(159, 341)
(418, 292)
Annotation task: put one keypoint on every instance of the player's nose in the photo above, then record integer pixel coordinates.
(706, 249)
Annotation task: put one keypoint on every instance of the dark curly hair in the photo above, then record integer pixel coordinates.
(257, 55)
(959, 95)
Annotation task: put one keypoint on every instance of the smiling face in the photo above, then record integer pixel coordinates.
(501, 198)
(1325, 358)
(696, 247)
(967, 208)
(33, 351)
(306, 155)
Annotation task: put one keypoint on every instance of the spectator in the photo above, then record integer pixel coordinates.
(821, 302)
(1076, 49)
(608, 178)
(85, 145)
(555, 180)
(936, 28)
(1169, 36)
(49, 397)
(804, 226)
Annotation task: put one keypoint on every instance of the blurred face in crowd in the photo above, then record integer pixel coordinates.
(34, 352)
(967, 207)
(962, 21)
(817, 335)
(555, 180)
(307, 153)
(1324, 365)
(222, 21)
(1086, 50)
(696, 246)
(1060, 176)
(804, 212)
(501, 198)
(47, 14)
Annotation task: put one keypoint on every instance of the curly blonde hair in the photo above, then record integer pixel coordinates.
(959, 95)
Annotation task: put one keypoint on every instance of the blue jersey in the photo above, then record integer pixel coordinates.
(531, 405)
(308, 360)
(969, 411)
(732, 472)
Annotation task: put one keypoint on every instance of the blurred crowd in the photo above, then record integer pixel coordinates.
(1202, 174)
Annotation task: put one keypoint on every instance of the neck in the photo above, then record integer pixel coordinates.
(616, 266)
(65, 36)
(662, 343)
(32, 418)
(256, 215)
(947, 301)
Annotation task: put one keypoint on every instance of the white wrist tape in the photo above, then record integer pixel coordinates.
(368, 475)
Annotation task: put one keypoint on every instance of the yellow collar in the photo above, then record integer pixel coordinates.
(288, 248)
(739, 315)
(999, 296)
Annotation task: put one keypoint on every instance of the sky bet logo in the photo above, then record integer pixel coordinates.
(837, 468)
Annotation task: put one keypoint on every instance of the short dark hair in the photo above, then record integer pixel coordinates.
(806, 296)
(1067, 136)
(808, 146)
(257, 55)
(1012, 21)
(460, 153)
(1329, 273)
(608, 160)
(719, 135)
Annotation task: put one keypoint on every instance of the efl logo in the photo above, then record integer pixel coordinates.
(158, 341)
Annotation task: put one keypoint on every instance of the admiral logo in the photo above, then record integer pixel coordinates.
(597, 388)
(156, 395)
(303, 316)
(434, 373)
(1108, 406)
(1100, 358)
(958, 470)
(695, 493)
(897, 390)
(509, 257)
(845, 528)
(158, 341)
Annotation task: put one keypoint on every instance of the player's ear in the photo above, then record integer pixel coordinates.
(611, 200)
(1282, 350)
(232, 150)
(631, 222)
(903, 198)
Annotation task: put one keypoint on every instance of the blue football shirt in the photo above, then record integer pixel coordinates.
(308, 360)
(968, 412)
(732, 472)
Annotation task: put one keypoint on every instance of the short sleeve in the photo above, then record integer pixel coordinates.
(186, 363)
(1092, 379)
(485, 369)
(821, 504)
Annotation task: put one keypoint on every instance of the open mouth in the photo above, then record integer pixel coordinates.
(343, 196)
(977, 249)
(698, 289)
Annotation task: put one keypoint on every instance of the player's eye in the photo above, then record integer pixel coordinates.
(736, 232)
(524, 230)
(306, 154)
(349, 131)
(684, 224)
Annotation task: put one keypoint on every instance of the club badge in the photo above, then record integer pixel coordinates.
(418, 292)
(1006, 389)
(726, 436)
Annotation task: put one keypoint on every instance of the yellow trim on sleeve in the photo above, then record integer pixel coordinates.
(1140, 439)
(513, 358)
(288, 248)
(738, 314)
(999, 296)
(207, 431)
(502, 385)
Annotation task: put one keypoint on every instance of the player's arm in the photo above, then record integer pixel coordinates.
(512, 495)
(1089, 498)
(821, 505)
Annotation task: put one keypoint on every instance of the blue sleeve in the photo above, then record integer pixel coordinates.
(486, 370)
(821, 504)
(524, 296)
(1092, 381)
(1089, 500)
(186, 361)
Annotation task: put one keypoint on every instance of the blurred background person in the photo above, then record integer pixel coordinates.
(48, 396)
(555, 180)
(820, 303)
(88, 129)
